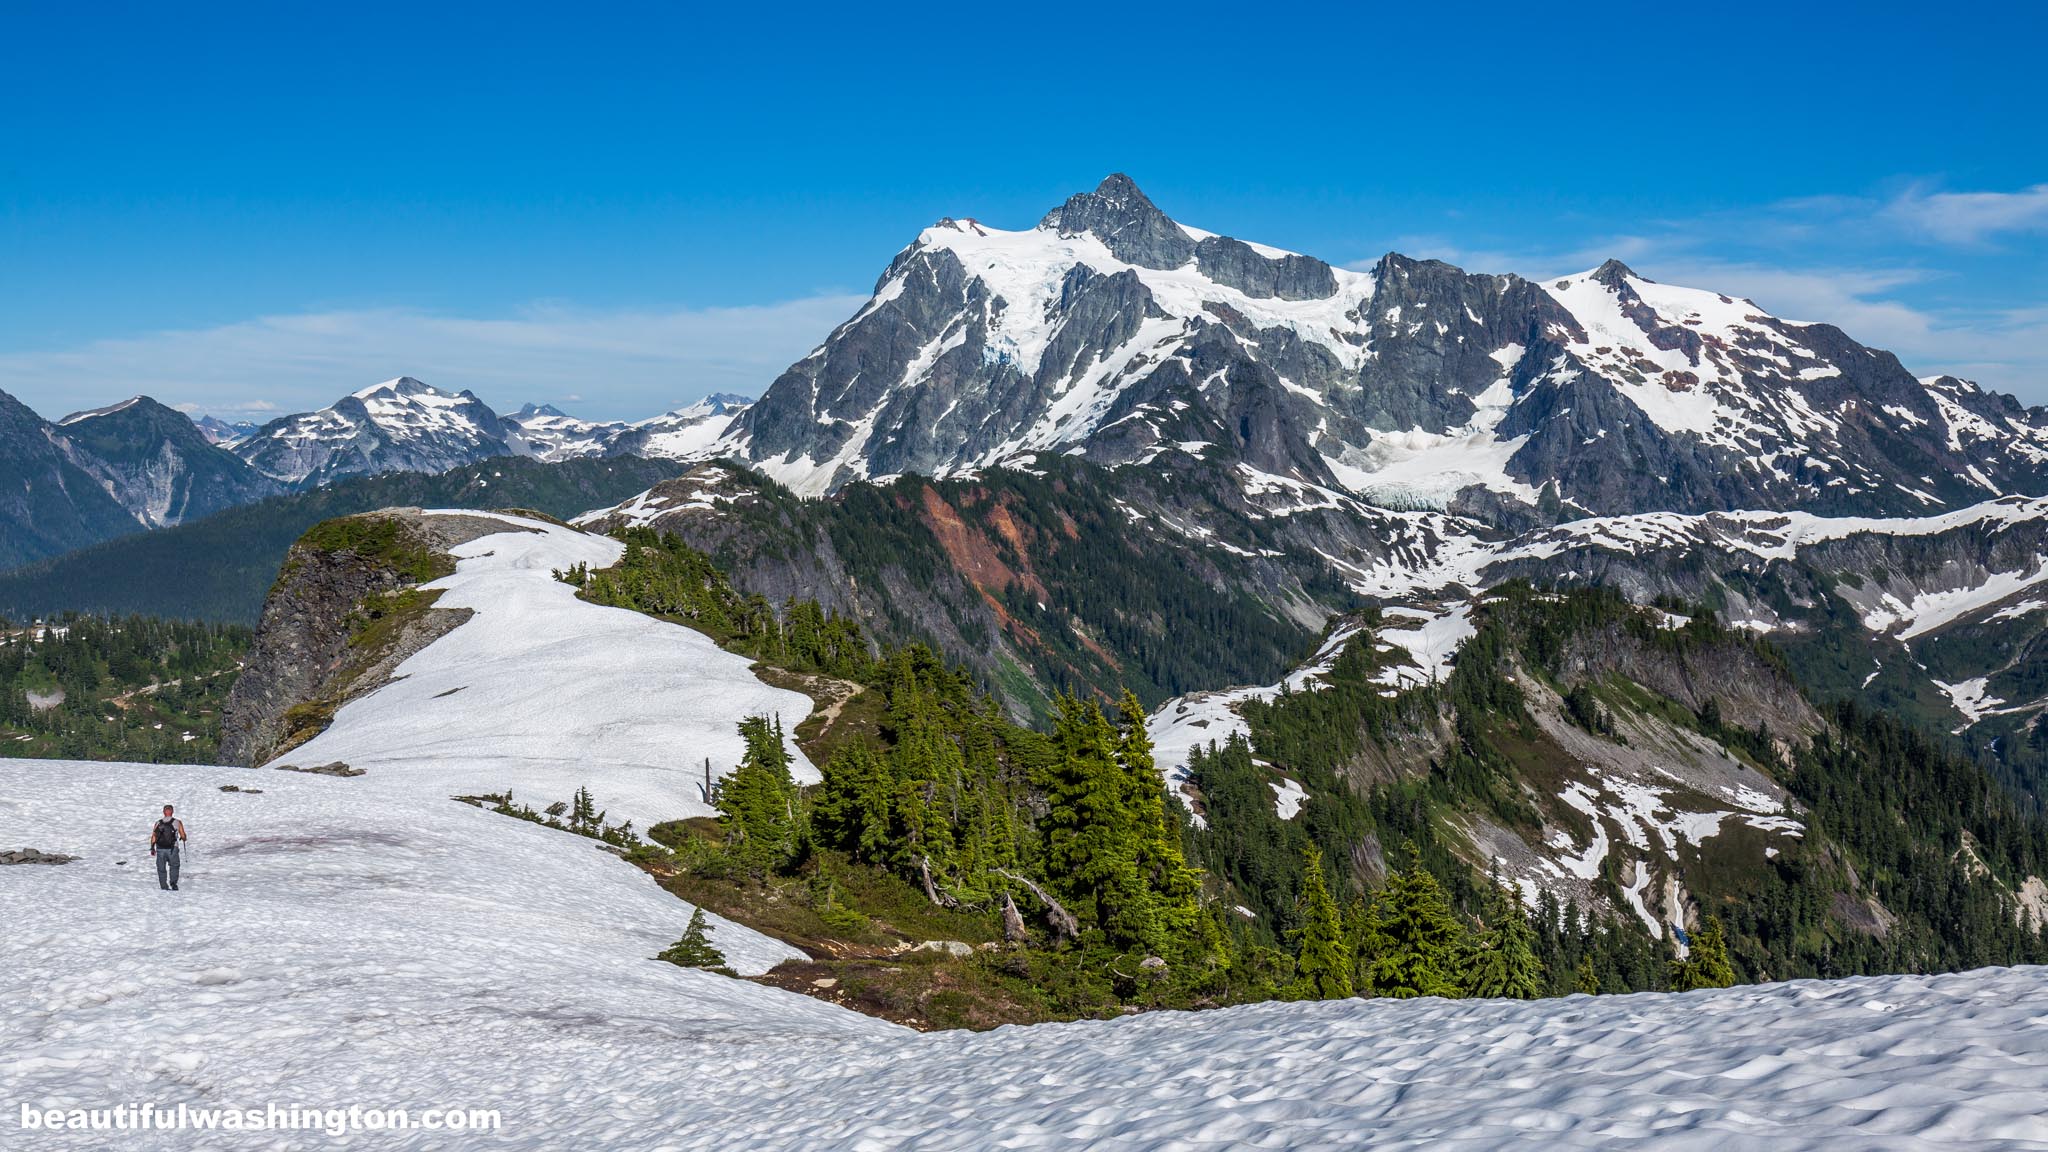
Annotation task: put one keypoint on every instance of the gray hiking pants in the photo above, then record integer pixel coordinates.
(166, 867)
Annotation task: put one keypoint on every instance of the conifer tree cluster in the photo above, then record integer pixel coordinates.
(1077, 823)
(662, 576)
(89, 687)
(1409, 942)
(1107, 845)
(1068, 838)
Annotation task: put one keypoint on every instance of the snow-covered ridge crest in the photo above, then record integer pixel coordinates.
(1646, 789)
(544, 693)
(109, 410)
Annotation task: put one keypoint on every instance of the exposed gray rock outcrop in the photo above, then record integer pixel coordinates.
(342, 616)
(33, 856)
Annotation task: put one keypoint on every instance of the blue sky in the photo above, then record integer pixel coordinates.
(253, 210)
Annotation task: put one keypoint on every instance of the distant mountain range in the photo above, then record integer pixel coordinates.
(405, 425)
(138, 464)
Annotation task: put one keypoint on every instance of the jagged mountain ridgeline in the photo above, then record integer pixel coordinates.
(1112, 332)
(1113, 450)
(406, 425)
(137, 465)
(100, 474)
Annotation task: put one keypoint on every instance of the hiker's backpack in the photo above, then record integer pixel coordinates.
(167, 833)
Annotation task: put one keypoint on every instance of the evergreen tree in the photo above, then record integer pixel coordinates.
(852, 811)
(1586, 980)
(1502, 963)
(757, 804)
(1109, 841)
(1322, 956)
(695, 949)
(1091, 841)
(584, 816)
(1174, 912)
(1412, 937)
(1706, 963)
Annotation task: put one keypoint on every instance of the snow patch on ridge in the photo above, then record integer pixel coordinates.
(543, 693)
(1202, 719)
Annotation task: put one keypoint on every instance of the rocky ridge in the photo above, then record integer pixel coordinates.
(346, 611)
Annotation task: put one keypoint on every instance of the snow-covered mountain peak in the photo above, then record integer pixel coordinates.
(716, 404)
(400, 425)
(1112, 331)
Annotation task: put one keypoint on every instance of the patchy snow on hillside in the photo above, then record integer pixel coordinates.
(1432, 643)
(1768, 535)
(338, 943)
(1936, 608)
(1200, 719)
(701, 490)
(543, 693)
(1288, 797)
(1971, 699)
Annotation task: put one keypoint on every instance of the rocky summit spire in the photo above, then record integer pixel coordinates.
(1615, 274)
(1126, 221)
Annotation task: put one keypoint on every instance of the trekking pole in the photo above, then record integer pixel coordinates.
(183, 846)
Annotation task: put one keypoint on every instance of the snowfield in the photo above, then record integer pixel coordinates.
(337, 942)
(368, 941)
(543, 693)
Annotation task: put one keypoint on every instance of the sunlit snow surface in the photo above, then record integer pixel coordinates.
(337, 943)
(368, 941)
(543, 693)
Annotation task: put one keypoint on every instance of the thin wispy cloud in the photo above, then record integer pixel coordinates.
(635, 362)
(1971, 217)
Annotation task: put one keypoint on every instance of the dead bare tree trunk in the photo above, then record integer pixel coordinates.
(1063, 923)
(1013, 922)
(931, 892)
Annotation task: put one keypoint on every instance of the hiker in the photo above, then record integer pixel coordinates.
(163, 844)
